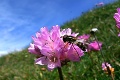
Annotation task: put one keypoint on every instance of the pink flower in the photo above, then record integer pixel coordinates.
(118, 25)
(117, 16)
(119, 35)
(107, 68)
(105, 65)
(48, 44)
(51, 48)
(94, 46)
(100, 4)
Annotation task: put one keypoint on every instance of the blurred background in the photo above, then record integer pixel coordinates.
(21, 19)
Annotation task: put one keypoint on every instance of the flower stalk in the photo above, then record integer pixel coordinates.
(106, 67)
(99, 46)
(60, 73)
(111, 74)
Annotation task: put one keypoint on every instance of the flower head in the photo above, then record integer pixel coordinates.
(107, 68)
(93, 30)
(51, 48)
(119, 35)
(95, 46)
(117, 18)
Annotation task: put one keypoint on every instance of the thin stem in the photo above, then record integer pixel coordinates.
(112, 76)
(60, 73)
(99, 47)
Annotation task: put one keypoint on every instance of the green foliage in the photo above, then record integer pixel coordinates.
(20, 65)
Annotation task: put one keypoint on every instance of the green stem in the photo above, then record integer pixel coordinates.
(60, 73)
(99, 47)
(112, 76)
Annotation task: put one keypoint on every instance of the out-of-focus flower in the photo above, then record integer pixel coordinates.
(107, 68)
(118, 25)
(119, 35)
(105, 65)
(51, 48)
(100, 4)
(94, 46)
(93, 30)
(117, 18)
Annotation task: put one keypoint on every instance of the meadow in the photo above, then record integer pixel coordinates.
(21, 66)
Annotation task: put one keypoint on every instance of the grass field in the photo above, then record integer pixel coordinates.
(20, 65)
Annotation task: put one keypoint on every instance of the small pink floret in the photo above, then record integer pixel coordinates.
(95, 46)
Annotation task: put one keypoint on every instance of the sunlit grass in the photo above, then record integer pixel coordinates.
(20, 65)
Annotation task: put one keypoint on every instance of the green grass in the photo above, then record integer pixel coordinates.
(20, 65)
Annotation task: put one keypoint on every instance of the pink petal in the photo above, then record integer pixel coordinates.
(52, 65)
(73, 55)
(118, 10)
(85, 36)
(117, 17)
(74, 34)
(34, 49)
(68, 31)
(118, 26)
(41, 61)
(46, 50)
(119, 35)
(94, 46)
(105, 65)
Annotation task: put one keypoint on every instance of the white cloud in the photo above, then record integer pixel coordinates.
(10, 24)
(3, 53)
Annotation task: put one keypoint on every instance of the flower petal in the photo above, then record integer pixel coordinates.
(41, 61)
(94, 46)
(73, 55)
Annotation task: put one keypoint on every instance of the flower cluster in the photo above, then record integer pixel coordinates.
(107, 68)
(117, 19)
(54, 52)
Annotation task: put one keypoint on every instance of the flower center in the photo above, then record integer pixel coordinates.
(53, 59)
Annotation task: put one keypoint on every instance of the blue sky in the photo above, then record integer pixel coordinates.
(20, 19)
